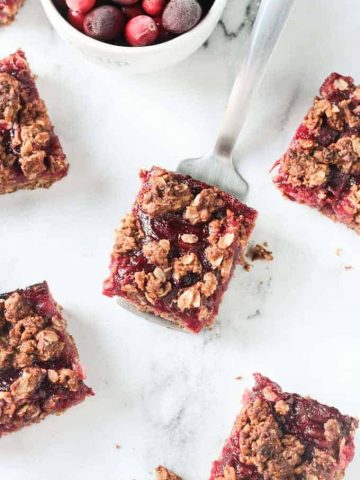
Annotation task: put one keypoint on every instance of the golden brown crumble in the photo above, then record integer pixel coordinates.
(189, 238)
(128, 234)
(203, 205)
(163, 473)
(191, 297)
(16, 308)
(166, 194)
(188, 263)
(8, 12)
(154, 284)
(261, 252)
(29, 381)
(303, 169)
(157, 252)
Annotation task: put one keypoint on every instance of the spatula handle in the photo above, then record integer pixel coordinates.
(269, 23)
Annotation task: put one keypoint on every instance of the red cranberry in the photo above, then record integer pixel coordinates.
(125, 3)
(141, 31)
(153, 7)
(336, 87)
(303, 133)
(76, 19)
(132, 11)
(82, 6)
(326, 136)
(104, 23)
(181, 15)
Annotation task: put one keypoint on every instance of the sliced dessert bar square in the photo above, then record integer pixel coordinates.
(174, 254)
(322, 165)
(30, 153)
(8, 10)
(283, 436)
(40, 373)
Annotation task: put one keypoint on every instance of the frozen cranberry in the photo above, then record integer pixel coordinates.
(153, 7)
(181, 15)
(132, 11)
(141, 31)
(76, 19)
(104, 23)
(125, 3)
(82, 6)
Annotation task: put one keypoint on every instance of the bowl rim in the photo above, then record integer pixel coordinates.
(50, 9)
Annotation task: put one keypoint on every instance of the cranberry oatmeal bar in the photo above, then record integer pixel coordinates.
(174, 254)
(30, 153)
(283, 436)
(322, 165)
(163, 473)
(8, 10)
(40, 373)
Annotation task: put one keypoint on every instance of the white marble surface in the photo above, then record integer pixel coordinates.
(168, 397)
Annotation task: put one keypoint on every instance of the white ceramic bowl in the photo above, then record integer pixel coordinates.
(138, 59)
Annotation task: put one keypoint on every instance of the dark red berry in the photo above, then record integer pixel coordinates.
(76, 19)
(153, 7)
(141, 31)
(104, 23)
(326, 136)
(132, 11)
(60, 3)
(181, 15)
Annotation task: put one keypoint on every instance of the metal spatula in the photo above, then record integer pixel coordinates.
(217, 168)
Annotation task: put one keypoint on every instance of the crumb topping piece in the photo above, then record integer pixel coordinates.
(163, 473)
(261, 252)
(166, 194)
(128, 234)
(203, 205)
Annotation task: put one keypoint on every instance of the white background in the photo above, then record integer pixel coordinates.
(168, 397)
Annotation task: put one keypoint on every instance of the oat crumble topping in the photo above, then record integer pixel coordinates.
(261, 252)
(163, 473)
